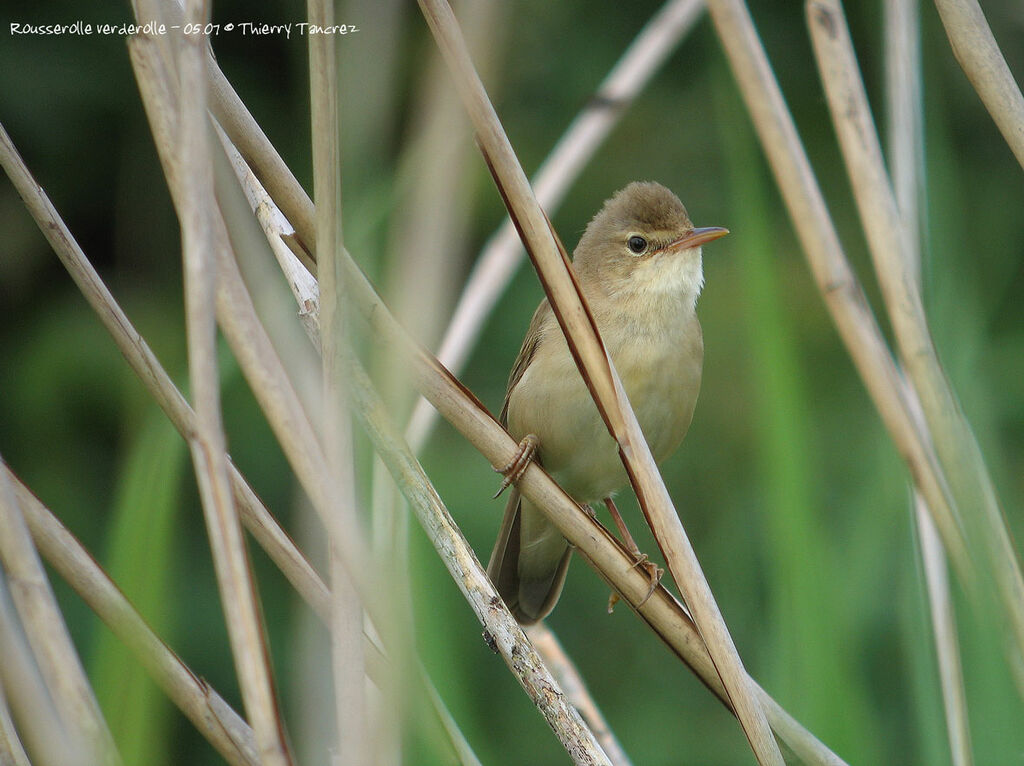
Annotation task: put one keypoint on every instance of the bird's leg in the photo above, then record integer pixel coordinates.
(653, 571)
(515, 468)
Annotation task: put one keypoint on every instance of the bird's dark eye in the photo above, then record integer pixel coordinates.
(637, 244)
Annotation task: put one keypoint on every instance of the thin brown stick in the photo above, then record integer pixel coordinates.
(506, 636)
(12, 752)
(947, 646)
(576, 691)
(145, 364)
(42, 731)
(201, 704)
(190, 179)
(979, 56)
(260, 155)
(837, 282)
(270, 382)
(52, 649)
(906, 139)
(599, 373)
(347, 663)
(140, 357)
(958, 452)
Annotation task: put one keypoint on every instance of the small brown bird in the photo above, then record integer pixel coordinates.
(639, 266)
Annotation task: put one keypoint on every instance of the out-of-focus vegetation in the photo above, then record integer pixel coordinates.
(795, 499)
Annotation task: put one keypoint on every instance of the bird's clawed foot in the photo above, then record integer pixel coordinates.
(654, 574)
(515, 468)
(640, 560)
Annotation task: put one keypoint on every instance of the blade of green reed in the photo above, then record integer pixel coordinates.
(139, 559)
(798, 551)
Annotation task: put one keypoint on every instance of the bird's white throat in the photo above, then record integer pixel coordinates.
(668, 277)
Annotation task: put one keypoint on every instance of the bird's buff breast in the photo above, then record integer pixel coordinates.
(661, 376)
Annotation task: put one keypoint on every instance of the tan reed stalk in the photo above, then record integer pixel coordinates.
(190, 179)
(41, 729)
(269, 380)
(979, 514)
(837, 282)
(347, 661)
(503, 252)
(78, 568)
(947, 646)
(575, 688)
(200, 703)
(59, 703)
(505, 634)
(11, 750)
(979, 56)
(598, 371)
(906, 160)
(145, 364)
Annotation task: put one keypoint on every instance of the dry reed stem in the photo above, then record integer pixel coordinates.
(974, 494)
(47, 634)
(463, 752)
(268, 533)
(599, 373)
(49, 708)
(575, 689)
(270, 218)
(347, 663)
(201, 704)
(42, 731)
(835, 279)
(662, 612)
(346, 611)
(144, 363)
(265, 373)
(12, 752)
(260, 155)
(979, 56)
(906, 160)
(947, 647)
(905, 117)
(506, 636)
(190, 181)
(503, 252)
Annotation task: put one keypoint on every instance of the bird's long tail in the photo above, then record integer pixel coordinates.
(529, 561)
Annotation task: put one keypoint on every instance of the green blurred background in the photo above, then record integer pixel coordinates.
(795, 499)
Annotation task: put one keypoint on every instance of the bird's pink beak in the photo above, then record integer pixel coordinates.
(697, 237)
